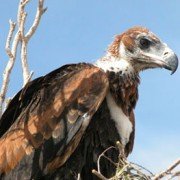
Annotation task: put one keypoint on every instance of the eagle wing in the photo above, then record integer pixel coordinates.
(58, 105)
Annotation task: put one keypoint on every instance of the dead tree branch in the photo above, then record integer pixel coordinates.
(12, 56)
(103, 155)
(40, 11)
(21, 38)
(167, 171)
(99, 175)
(26, 37)
(176, 174)
(129, 170)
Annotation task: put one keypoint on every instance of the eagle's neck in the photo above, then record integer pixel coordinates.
(116, 65)
(123, 81)
(123, 94)
(124, 90)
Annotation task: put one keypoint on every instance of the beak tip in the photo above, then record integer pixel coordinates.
(173, 63)
(173, 71)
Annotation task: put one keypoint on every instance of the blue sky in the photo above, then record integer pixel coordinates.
(78, 30)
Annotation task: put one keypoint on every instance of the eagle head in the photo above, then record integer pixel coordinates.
(138, 49)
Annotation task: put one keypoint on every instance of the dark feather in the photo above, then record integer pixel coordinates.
(50, 110)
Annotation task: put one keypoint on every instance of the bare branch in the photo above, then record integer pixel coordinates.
(22, 18)
(79, 176)
(10, 64)
(9, 38)
(176, 174)
(135, 164)
(25, 38)
(39, 13)
(99, 175)
(25, 67)
(167, 171)
(30, 76)
(129, 170)
(101, 155)
(19, 37)
(21, 7)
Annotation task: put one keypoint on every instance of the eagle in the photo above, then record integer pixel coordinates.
(58, 124)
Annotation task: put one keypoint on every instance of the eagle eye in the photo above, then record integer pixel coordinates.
(144, 43)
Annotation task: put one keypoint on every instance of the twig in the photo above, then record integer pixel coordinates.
(22, 4)
(175, 175)
(142, 168)
(168, 170)
(101, 155)
(40, 11)
(79, 176)
(122, 170)
(25, 38)
(129, 170)
(99, 175)
(112, 162)
(10, 64)
(9, 38)
(20, 36)
(140, 173)
(22, 18)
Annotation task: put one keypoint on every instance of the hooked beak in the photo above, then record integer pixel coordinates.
(167, 60)
(171, 61)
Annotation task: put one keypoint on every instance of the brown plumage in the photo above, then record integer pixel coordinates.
(58, 124)
(40, 117)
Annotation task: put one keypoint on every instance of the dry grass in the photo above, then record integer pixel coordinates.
(131, 171)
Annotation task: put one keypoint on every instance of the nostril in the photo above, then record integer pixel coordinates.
(165, 53)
